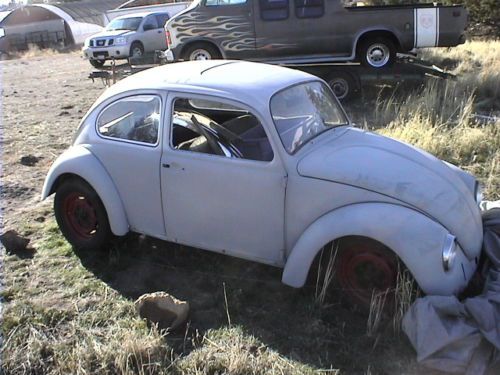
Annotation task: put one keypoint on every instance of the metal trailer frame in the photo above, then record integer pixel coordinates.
(345, 79)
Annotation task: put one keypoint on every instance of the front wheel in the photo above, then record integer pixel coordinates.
(377, 53)
(136, 50)
(365, 267)
(342, 84)
(97, 63)
(81, 216)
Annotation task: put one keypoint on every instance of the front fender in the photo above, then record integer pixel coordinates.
(417, 240)
(79, 161)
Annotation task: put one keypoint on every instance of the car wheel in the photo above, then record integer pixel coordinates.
(136, 50)
(81, 216)
(342, 84)
(377, 53)
(365, 267)
(201, 52)
(97, 63)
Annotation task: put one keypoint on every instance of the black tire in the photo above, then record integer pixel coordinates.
(343, 85)
(200, 51)
(136, 50)
(379, 52)
(97, 63)
(81, 216)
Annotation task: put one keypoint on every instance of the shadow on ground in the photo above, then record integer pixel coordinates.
(283, 318)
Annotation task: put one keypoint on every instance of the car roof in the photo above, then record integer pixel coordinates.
(240, 80)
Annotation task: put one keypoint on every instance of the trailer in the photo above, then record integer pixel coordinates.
(347, 79)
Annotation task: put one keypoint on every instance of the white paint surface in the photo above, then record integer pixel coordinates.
(426, 27)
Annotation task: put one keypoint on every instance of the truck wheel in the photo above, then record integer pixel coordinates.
(342, 84)
(136, 50)
(81, 216)
(377, 53)
(200, 52)
(364, 267)
(97, 63)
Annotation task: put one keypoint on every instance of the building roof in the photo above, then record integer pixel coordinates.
(90, 11)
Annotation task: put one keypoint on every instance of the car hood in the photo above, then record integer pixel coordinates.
(109, 34)
(395, 169)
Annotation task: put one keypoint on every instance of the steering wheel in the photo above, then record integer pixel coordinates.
(210, 139)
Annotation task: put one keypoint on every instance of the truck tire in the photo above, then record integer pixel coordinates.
(200, 51)
(97, 63)
(136, 50)
(379, 52)
(342, 84)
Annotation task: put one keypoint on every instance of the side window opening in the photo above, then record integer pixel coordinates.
(215, 128)
(162, 20)
(273, 10)
(135, 118)
(309, 8)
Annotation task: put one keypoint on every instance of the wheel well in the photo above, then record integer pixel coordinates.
(200, 43)
(331, 249)
(376, 34)
(63, 178)
(137, 42)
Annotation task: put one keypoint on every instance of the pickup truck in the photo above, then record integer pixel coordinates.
(309, 31)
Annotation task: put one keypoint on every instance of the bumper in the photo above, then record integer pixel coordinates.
(168, 55)
(106, 53)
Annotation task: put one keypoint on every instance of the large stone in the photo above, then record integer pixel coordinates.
(162, 309)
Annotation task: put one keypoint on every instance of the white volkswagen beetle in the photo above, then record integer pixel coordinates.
(260, 162)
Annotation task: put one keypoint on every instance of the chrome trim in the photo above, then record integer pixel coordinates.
(449, 252)
(478, 192)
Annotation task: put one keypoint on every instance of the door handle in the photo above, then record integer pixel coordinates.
(160, 31)
(165, 165)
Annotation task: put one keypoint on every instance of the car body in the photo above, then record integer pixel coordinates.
(261, 162)
(130, 35)
(318, 31)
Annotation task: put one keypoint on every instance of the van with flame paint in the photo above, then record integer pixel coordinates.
(309, 31)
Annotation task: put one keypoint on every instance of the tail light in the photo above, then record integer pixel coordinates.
(169, 39)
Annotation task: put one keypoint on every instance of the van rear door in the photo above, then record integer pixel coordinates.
(230, 24)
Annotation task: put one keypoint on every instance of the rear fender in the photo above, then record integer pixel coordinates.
(80, 162)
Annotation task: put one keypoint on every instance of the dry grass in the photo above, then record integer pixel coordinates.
(442, 117)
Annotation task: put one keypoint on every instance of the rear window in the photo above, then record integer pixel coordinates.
(273, 10)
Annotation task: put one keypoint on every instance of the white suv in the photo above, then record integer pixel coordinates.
(127, 36)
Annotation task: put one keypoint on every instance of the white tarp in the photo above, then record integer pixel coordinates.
(462, 336)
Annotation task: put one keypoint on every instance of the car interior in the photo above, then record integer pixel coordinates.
(216, 128)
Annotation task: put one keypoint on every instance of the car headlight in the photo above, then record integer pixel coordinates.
(120, 41)
(449, 252)
(478, 192)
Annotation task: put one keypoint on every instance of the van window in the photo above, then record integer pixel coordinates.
(211, 3)
(274, 10)
(309, 8)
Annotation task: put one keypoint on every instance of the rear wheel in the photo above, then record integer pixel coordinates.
(379, 52)
(200, 52)
(342, 84)
(81, 216)
(97, 63)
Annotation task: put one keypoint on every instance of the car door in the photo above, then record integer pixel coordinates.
(219, 202)
(153, 36)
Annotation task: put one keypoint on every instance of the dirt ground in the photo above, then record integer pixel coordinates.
(44, 99)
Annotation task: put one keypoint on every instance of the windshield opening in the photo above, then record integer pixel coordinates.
(304, 111)
(124, 24)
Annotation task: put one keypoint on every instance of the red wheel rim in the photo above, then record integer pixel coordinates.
(80, 215)
(362, 270)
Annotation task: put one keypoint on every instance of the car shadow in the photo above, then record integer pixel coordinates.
(285, 319)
